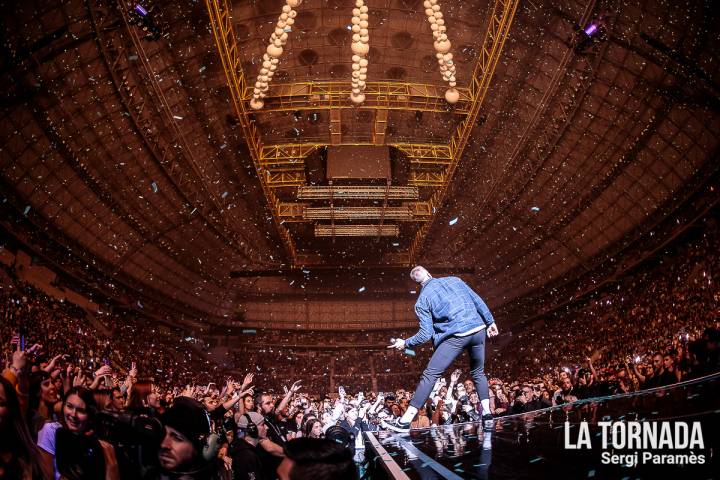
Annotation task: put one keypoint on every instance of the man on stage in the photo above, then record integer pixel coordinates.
(456, 319)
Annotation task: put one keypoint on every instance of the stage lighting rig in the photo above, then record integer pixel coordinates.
(585, 37)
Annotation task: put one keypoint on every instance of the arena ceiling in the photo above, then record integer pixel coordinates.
(127, 134)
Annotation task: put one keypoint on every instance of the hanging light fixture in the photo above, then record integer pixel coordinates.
(360, 48)
(272, 54)
(442, 47)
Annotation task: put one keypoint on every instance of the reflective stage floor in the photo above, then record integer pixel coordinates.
(532, 445)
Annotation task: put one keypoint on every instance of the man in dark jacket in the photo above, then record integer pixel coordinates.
(456, 319)
(249, 459)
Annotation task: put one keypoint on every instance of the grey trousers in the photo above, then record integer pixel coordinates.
(444, 355)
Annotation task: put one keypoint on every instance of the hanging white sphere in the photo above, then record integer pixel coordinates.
(356, 12)
(264, 71)
(266, 57)
(442, 46)
(278, 31)
(359, 3)
(363, 76)
(361, 49)
(281, 24)
(272, 68)
(363, 62)
(443, 38)
(263, 95)
(364, 24)
(364, 38)
(356, 74)
(277, 42)
(256, 104)
(438, 15)
(283, 17)
(292, 14)
(452, 79)
(364, 32)
(356, 37)
(256, 92)
(364, 9)
(427, 4)
(274, 61)
(356, 58)
(357, 98)
(436, 7)
(429, 12)
(356, 28)
(289, 22)
(452, 84)
(274, 50)
(364, 16)
(294, 3)
(284, 37)
(441, 24)
(433, 26)
(448, 58)
(266, 63)
(439, 56)
(362, 85)
(356, 89)
(356, 66)
(355, 20)
(452, 95)
(286, 8)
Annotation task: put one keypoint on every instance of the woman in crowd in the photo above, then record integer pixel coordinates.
(69, 448)
(18, 453)
(313, 429)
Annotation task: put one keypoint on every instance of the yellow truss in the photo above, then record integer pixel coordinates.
(501, 19)
(221, 23)
(431, 165)
(378, 96)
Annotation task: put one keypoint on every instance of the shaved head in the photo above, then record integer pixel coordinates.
(419, 274)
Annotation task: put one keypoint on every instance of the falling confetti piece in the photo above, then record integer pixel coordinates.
(177, 117)
(536, 459)
(225, 194)
(27, 210)
(453, 221)
(154, 187)
(251, 331)
(591, 474)
(361, 289)
(535, 209)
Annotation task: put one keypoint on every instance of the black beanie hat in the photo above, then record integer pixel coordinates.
(189, 417)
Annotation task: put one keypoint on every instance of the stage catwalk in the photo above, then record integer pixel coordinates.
(532, 445)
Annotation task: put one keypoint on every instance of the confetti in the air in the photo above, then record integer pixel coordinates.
(361, 289)
(154, 187)
(535, 209)
(453, 221)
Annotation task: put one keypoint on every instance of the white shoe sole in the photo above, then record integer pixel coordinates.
(389, 426)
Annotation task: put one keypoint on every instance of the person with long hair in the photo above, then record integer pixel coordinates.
(138, 398)
(313, 429)
(18, 453)
(69, 448)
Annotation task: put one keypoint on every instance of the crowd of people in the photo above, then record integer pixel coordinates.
(83, 397)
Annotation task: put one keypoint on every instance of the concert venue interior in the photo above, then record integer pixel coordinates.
(209, 211)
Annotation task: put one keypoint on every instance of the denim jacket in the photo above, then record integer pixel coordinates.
(448, 306)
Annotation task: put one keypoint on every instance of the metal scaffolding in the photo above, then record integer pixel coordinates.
(291, 97)
(501, 19)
